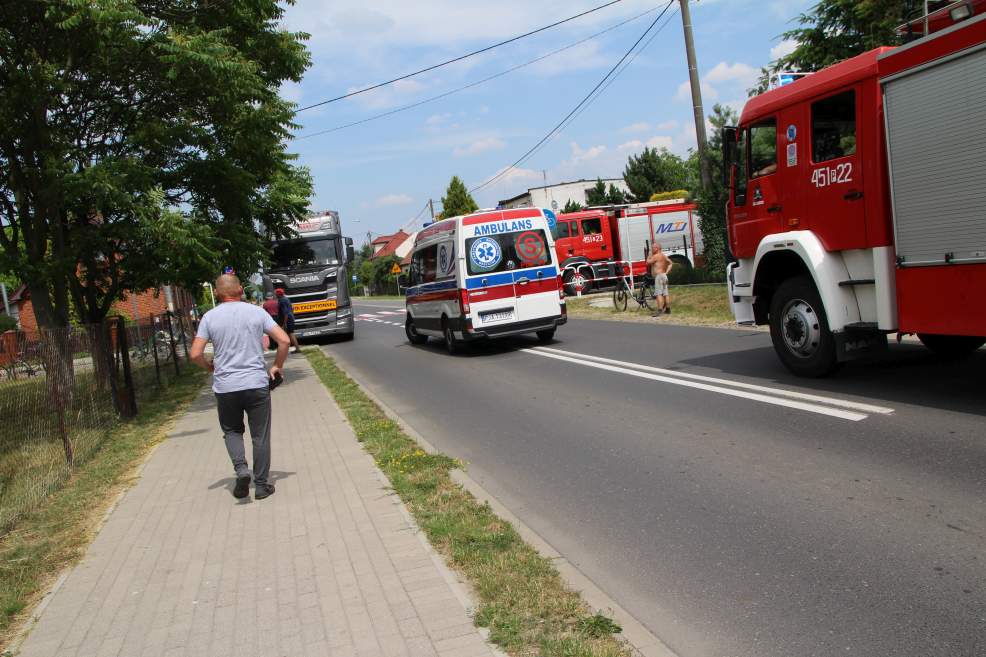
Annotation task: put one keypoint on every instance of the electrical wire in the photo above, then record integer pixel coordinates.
(460, 57)
(419, 103)
(578, 107)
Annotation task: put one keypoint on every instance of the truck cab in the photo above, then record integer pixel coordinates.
(312, 267)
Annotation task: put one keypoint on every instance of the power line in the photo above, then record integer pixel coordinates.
(419, 103)
(606, 86)
(581, 103)
(460, 57)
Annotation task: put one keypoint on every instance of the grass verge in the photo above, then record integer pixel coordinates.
(47, 540)
(522, 599)
(705, 305)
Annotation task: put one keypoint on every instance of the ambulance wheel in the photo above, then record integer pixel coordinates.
(951, 346)
(412, 333)
(452, 345)
(799, 329)
(546, 336)
(577, 281)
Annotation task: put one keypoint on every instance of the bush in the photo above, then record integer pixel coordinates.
(674, 194)
(690, 275)
(7, 323)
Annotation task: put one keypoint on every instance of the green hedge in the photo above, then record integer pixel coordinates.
(690, 275)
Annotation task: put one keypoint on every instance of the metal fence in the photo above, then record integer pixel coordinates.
(63, 390)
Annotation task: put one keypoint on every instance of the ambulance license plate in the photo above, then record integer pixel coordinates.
(314, 306)
(496, 315)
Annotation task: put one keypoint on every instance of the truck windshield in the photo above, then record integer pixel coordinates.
(507, 252)
(304, 253)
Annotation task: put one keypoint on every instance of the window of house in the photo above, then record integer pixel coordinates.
(833, 127)
(592, 226)
(763, 148)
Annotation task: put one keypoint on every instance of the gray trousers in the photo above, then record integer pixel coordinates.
(256, 404)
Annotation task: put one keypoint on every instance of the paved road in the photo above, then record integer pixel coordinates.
(734, 509)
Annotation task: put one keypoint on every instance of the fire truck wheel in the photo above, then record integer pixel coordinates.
(951, 346)
(452, 345)
(412, 333)
(799, 329)
(576, 281)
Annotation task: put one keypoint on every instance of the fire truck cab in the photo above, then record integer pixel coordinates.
(857, 203)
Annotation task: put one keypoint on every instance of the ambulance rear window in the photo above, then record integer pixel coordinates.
(507, 252)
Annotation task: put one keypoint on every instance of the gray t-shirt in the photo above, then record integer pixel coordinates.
(236, 330)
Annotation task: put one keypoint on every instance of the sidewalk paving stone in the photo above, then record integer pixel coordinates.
(329, 565)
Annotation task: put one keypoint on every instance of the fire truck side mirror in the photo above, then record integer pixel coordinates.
(730, 154)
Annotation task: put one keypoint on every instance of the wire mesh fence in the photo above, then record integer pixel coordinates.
(63, 390)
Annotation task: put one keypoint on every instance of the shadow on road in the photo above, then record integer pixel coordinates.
(908, 374)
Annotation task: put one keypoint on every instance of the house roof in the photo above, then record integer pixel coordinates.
(390, 244)
(18, 294)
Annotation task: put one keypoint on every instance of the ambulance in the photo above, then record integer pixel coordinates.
(485, 275)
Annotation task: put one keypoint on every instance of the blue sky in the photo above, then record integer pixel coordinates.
(380, 174)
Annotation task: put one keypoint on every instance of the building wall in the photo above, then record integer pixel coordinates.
(555, 197)
(148, 303)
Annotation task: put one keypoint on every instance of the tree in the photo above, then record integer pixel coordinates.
(654, 171)
(457, 200)
(834, 30)
(600, 195)
(141, 143)
(711, 200)
(596, 195)
(572, 206)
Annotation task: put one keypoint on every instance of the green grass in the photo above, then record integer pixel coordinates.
(522, 599)
(705, 305)
(55, 534)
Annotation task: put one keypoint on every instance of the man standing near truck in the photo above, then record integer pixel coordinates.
(286, 317)
(659, 265)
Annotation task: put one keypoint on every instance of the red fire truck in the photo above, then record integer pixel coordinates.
(858, 200)
(597, 245)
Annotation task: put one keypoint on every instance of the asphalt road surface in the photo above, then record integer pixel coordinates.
(732, 508)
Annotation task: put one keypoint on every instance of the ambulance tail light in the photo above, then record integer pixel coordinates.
(561, 289)
(464, 302)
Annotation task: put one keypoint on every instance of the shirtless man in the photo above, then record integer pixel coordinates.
(660, 266)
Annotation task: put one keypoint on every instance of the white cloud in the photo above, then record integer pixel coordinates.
(738, 72)
(632, 145)
(685, 92)
(639, 126)
(291, 91)
(660, 142)
(580, 58)
(667, 125)
(387, 97)
(479, 146)
(584, 155)
(390, 200)
(437, 119)
(785, 47)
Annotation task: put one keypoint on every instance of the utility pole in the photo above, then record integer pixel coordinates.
(686, 23)
(431, 206)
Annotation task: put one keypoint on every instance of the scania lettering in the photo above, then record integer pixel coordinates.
(854, 209)
(485, 275)
(312, 267)
(597, 245)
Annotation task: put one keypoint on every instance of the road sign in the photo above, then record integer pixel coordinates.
(554, 205)
(396, 269)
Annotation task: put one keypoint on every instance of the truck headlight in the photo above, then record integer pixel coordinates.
(344, 312)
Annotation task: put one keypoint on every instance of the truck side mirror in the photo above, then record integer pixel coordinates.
(350, 253)
(730, 154)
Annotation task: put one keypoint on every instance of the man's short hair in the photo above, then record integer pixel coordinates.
(228, 286)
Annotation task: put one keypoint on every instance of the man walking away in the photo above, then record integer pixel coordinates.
(273, 309)
(286, 313)
(660, 266)
(240, 379)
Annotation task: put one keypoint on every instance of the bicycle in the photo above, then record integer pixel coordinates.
(643, 295)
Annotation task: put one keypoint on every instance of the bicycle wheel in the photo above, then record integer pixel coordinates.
(647, 296)
(620, 297)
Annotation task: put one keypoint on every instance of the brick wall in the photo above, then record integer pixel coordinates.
(150, 302)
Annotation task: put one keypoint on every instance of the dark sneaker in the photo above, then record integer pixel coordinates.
(263, 491)
(242, 488)
(667, 311)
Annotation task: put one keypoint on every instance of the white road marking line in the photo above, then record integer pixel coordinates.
(831, 401)
(766, 399)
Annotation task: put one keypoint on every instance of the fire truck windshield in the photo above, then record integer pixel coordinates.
(303, 253)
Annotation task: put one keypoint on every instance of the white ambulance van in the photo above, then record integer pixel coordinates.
(485, 275)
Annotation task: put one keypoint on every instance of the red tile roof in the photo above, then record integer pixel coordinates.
(391, 244)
